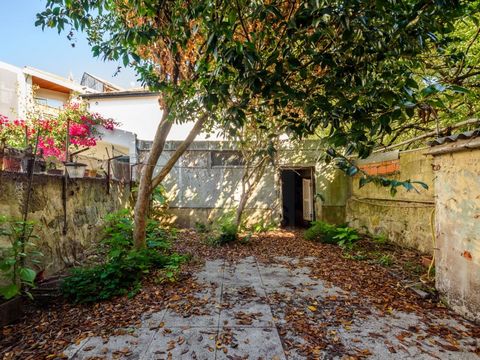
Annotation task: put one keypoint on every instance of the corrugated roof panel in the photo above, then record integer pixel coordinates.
(452, 138)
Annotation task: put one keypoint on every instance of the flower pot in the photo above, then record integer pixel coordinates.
(12, 164)
(426, 261)
(47, 291)
(92, 173)
(10, 310)
(27, 165)
(75, 170)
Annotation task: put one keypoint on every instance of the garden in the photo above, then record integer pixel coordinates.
(359, 77)
(120, 295)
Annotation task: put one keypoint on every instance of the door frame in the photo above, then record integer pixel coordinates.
(313, 184)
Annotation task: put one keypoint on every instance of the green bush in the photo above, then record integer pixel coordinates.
(224, 230)
(201, 227)
(346, 236)
(228, 230)
(343, 236)
(385, 260)
(261, 227)
(322, 232)
(123, 267)
(15, 260)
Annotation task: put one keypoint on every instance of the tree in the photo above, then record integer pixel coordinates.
(257, 145)
(344, 65)
(158, 39)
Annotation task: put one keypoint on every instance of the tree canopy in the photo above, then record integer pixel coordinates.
(350, 67)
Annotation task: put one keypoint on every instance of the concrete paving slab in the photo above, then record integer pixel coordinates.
(153, 320)
(247, 315)
(116, 347)
(243, 293)
(187, 343)
(212, 272)
(173, 319)
(250, 343)
(209, 325)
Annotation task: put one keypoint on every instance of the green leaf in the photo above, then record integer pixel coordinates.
(459, 89)
(352, 170)
(27, 275)
(9, 291)
(363, 181)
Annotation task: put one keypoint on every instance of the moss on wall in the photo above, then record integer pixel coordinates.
(405, 218)
(87, 205)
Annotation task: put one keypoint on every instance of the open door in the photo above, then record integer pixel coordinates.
(297, 197)
(307, 200)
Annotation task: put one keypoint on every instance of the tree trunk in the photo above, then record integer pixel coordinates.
(248, 188)
(148, 182)
(144, 188)
(241, 207)
(179, 151)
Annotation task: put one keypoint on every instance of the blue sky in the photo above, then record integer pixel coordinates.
(24, 44)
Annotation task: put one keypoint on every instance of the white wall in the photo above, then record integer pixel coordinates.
(140, 115)
(13, 88)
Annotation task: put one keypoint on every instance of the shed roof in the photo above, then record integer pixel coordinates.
(453, 138)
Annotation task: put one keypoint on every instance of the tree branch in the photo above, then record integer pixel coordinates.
(179, 151)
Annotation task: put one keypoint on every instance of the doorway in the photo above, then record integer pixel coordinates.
(297, 196)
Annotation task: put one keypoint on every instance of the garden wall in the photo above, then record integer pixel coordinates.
(405, 218)
(457, 253)
(87, 205)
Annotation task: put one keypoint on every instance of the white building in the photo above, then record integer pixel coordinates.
(27, 88)
(138, 112)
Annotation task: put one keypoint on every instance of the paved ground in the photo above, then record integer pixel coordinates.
(247, 310)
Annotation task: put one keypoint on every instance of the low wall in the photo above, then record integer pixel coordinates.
(405, 218)
(87, 205)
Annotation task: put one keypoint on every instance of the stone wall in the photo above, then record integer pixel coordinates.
(87, 205)
(457, 179)
(404, 218)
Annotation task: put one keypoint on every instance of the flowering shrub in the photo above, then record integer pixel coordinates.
(82, 130)
(12, 132)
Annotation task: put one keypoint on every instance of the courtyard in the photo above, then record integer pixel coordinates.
(276, 296)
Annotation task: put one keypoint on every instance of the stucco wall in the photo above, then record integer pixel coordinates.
(87, 205)
(457, 179)
(201, 192)
(140, 115)
(404, 218)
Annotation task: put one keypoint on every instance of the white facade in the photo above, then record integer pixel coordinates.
(28, 89)
(14, 88)
(139, 113)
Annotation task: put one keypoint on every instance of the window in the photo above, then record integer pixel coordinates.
(226, 158)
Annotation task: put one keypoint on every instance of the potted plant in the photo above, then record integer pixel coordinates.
(15, 274)
(52, 166)
(12, 160)
(92, 173)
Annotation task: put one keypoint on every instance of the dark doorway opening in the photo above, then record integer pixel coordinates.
(297, 197)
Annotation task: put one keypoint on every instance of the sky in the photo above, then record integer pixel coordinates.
(23, 44)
